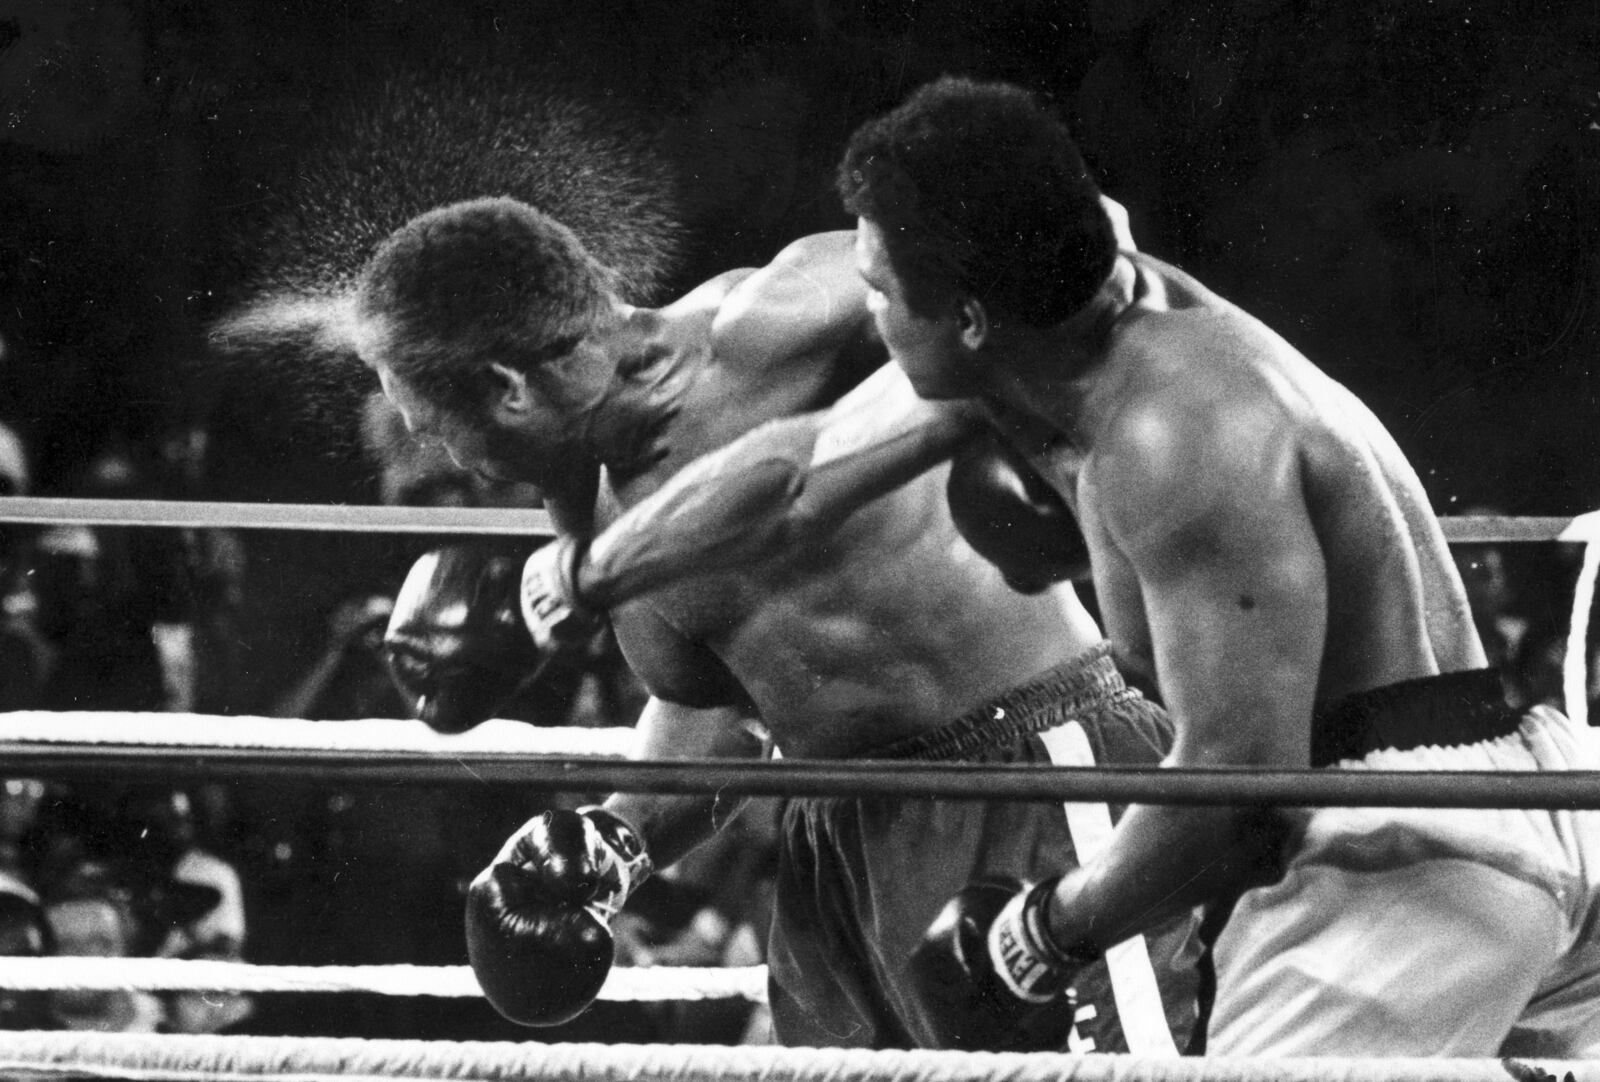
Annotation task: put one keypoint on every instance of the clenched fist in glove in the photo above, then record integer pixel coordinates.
(989, 971)
(554, 613)
(1013, 518)
(538, 917)
(456, 643)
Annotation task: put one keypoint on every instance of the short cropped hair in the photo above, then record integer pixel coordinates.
(487, 279)
(979, 189)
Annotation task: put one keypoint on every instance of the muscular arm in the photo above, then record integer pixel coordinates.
(784, 484)
(790, 481)
(672, 824)
(1234, 587)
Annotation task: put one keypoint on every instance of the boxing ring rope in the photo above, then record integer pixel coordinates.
(343, 518)
(165, 746)
(625, 984)
(30, 747)
(365, 518)
(376, 735)
(187, 1058)
(372, 518)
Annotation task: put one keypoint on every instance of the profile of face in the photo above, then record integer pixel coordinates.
(928, 348)
(523, 431)
(88, 928)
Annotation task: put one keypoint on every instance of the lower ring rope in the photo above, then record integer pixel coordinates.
(1576, 790)
(186, 1058)
(624, 984)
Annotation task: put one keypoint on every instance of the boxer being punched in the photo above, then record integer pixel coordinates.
(1262, 551)
(497, 335)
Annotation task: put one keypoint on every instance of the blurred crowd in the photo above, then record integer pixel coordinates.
(318, 871)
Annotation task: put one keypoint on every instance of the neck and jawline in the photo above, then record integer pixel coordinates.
(1054, 376)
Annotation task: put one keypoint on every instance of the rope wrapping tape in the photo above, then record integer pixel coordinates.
(171, 1058)
(624, 984)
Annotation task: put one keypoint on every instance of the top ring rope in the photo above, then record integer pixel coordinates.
(353, 518)
(192, 1058)
(366, 518)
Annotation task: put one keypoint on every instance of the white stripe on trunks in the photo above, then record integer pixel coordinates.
(1133, 978)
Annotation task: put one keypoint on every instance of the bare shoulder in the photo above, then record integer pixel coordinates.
(808, 297)
(1187, 447)
(711, 294)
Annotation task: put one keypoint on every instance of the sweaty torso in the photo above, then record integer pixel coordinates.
(1396, 609)
(890, 626)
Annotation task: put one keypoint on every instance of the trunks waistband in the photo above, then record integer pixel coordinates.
(1448, 710)
(1086, 683)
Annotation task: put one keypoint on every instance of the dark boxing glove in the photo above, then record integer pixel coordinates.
(456, 643)
(990, 974)
(538, 917)
(1013, 518)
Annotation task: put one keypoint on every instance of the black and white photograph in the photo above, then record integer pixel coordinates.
(704, 539)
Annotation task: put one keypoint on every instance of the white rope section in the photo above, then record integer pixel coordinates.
(1575, 666)
(187, 1058)
(371, 518)
(624, 984)
(353, 518)
(203, 731)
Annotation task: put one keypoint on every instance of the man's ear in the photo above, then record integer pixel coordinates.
(509, 387)
(972, 322)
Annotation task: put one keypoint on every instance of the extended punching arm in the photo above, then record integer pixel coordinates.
(784, 484)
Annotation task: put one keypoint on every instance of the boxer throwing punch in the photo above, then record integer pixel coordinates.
(496, 334)
(1262, 551)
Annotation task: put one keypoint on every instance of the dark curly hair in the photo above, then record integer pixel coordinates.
(487, 279)
(979, 189)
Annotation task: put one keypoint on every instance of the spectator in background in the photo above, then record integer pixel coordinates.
(26, 657)
(23, 934)
(206, 658)
(116, 604)
(1539, 667)
(20, 800)
(1493, 598)
(91, 914)
(350, 678)
(164, 837)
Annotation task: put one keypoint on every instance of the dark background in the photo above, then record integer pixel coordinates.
(1408, 192)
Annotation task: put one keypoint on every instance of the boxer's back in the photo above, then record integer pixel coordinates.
(1396, 607)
